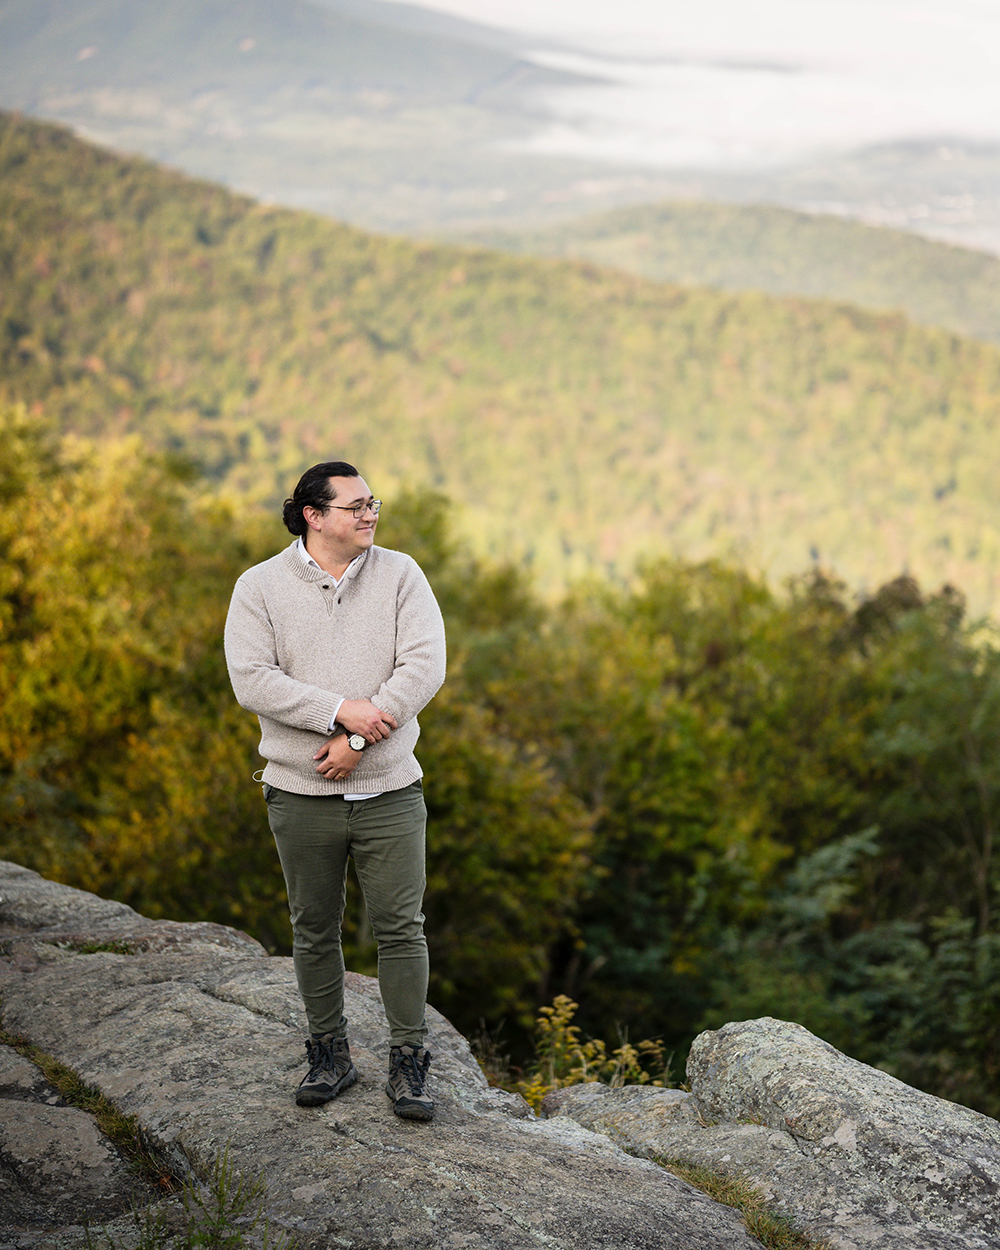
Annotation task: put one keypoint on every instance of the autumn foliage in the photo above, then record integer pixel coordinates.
(683, 800)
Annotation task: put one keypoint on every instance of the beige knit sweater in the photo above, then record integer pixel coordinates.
(296, 644)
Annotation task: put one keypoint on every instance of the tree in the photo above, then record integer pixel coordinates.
(938, 742)
(115, 578)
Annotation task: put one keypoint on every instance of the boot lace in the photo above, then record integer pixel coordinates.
(413, 1071)
(323, 1055)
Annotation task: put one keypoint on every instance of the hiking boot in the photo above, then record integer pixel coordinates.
(330, 1070)
(406, 1085)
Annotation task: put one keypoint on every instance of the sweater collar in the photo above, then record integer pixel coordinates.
(312, 572)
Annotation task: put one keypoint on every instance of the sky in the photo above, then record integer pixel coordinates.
(730, 83)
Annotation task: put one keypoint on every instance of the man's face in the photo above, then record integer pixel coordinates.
(338, 527)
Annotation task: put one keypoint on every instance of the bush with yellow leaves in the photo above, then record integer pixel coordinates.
(562, 1058)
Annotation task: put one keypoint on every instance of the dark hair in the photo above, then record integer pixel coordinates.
(314, 490)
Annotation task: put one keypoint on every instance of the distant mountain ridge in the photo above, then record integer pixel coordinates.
(425, 22)
(740, 247)
(351, 106)
(399, 118)
(580, 418)
(294, 46)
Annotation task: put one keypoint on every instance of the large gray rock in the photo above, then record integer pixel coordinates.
(35, 911)
(199, 1034)
(856, 1157)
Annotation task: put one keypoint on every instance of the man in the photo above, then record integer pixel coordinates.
(336, 644)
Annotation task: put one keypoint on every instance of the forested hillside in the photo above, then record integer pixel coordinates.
(577, 417)
(747, 247)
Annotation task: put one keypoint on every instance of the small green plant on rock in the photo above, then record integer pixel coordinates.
(227, 1211)
(223, 1212)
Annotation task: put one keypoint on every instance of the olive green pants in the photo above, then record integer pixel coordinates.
(385, 836)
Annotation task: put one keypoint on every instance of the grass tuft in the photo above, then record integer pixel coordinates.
(772, 1230)
(94, 948)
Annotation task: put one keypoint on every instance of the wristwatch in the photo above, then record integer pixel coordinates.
(356, 742)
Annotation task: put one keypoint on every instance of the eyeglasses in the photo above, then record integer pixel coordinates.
(359, 509)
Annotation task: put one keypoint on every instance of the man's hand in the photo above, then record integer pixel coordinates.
(336, 759)
(361, 716)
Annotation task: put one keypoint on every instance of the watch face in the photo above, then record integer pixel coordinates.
(357, 742)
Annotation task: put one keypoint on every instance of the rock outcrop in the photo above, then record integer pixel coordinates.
(198, 1033)
(855, 1157)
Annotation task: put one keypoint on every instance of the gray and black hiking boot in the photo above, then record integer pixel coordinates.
(406, 1085)
(330, 1070)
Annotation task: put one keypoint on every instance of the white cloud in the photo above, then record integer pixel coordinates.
(727, 82)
